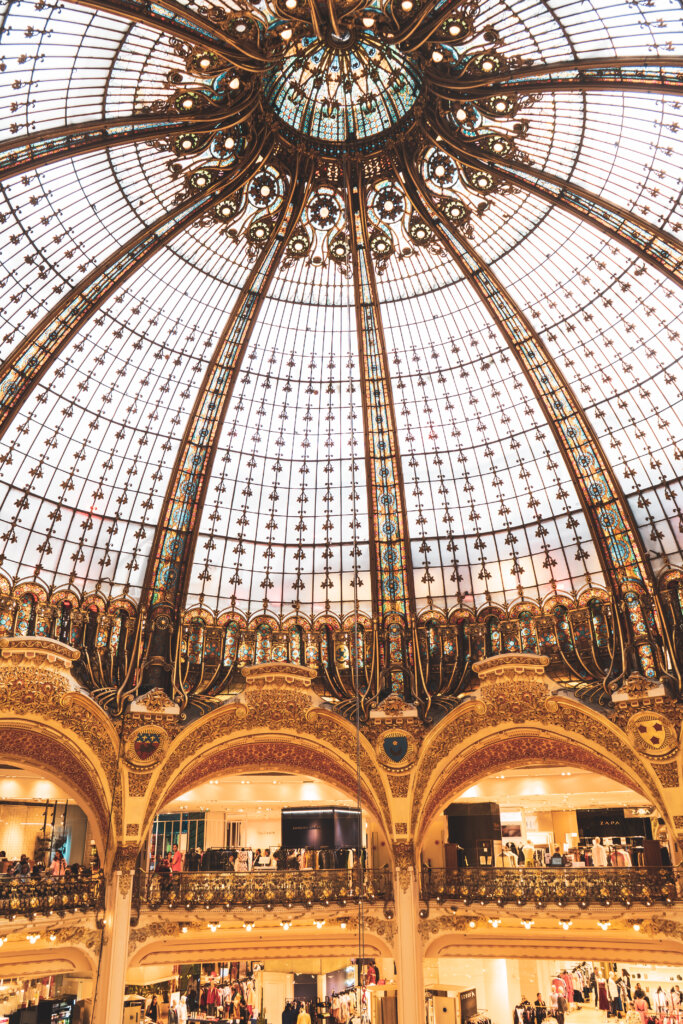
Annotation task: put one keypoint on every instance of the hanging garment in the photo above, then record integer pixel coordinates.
(598, 854)
(603, 1001)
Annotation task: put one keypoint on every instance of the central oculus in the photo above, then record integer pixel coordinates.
(342, 94)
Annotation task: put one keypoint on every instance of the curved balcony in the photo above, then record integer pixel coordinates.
(232, 890)
(584, 887)
(44, 896)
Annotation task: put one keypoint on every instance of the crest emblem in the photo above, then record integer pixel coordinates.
(396, 748)
(146, 745)
(652, 733)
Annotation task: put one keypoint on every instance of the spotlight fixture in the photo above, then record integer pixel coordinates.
(319, 924)
(494, 922)
(342, 924)
(527, 923)
(183, 929)
(604, 925)
(249, 925)
(636, 926)
(213, 926)
(286, 925)
(472, 923)
(32, 937)
(52, 936)
(565, 924)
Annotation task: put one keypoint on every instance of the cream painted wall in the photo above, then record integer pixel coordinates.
(564, 823)
(499, 983)
(277, 989)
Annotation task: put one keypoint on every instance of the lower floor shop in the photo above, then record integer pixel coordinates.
(357, 990)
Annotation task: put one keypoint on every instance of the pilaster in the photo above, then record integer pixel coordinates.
(409, 963)
(110, 981)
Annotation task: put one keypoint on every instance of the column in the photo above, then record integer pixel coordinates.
(110, 981)
(409, 965)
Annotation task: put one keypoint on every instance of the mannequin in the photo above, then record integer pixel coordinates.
(182, 1010)
(529, 852)
(599, 854)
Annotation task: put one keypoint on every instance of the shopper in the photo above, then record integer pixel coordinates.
(541, 1010)
(557, 860)
(22, 869)
(59, 865)
(176, 859)
(153, 1009)
(304, 1016)
(613, 995)
(4, 863)
(640, 1004)
(192, 996)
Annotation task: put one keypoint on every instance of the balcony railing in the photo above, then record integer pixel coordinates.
(40, 897)
(264, 888)
(584, 887)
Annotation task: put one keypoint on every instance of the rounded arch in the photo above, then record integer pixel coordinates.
(26, 744)
(56, 958)
(261, 944)
(544, 943)
(518, 745)
(279, 752)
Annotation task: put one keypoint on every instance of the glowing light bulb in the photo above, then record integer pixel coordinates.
(407, 5)
(454, 30)
(234, 83)
(527, 924)
(494, 922)
(439, 171)
(32, 937)
(636, 927)
(472, 923)
(461, 114)
(265, 191)
(500, 107)
(487, 65)
(604, 925)
(229, 144)
(186, 143)
(437, 56)
(286, 34)
(290, 4)
(368, 22)
(187, 103)
(565, 925)
(319, 924)
(205, 63)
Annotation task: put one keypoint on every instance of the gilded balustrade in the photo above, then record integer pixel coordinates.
(584, 887)
(45, 896)
(265, 888)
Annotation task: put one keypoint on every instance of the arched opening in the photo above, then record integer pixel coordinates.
(538, 861)
(270, 864)
(40, 817)
(518, 816)
(39, 754)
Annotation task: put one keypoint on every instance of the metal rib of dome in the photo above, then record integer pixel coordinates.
(318, 315)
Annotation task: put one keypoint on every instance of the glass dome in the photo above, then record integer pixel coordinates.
(438, 382)
(334, 94)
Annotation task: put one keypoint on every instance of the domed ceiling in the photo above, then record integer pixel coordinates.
(333, 312)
